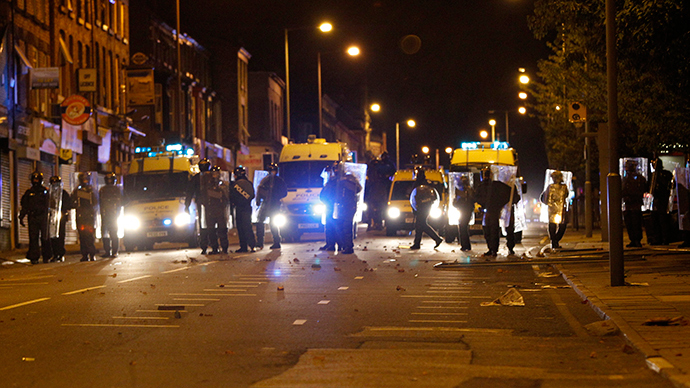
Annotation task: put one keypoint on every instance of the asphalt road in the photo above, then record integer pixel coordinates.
(303, 318)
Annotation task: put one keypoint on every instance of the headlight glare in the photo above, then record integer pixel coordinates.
(130, 222)
(279, 220)
(436, 212)
(319, 209)
(393, 212)
(183, 219)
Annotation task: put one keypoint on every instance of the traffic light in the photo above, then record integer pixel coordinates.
(577, 113)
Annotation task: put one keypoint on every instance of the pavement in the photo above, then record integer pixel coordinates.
(652, 310)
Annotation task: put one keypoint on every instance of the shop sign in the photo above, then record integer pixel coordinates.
(141, 89)
(45, 78)
(86, 80)
(75, 110)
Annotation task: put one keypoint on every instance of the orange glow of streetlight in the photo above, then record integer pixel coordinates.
(375, 107)
(492, 122)
(449, 150)
(425, 149)
(353, 51)
(411, 123)
(524, 79)
(522, 110)
(326, 27)
(522, 95)
(483, 134)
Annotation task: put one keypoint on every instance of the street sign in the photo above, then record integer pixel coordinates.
(75, 109)
(577, 113)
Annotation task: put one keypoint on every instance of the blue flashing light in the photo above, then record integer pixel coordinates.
(152, 154)
(173, 147)
(167, 222)
(137, 150)
(469, 145)
(190, 152)
(499, 145)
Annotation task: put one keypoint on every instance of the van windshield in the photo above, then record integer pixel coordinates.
(303, 174)
(155, 186)
(403, 189)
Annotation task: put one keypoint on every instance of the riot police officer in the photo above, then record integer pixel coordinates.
(34, 203)
(347, 191)
(423, 198)
(216, 216)
(194, 191)
(464, 202)
(58, 215)
(84, 201)
(492, 196)
(633, 187)
(110, 201)
(241, 195)
(556, 197)
(272, 189)
(327, 196)
(662, 183)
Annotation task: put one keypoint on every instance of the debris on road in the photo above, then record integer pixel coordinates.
(548, 275)
(602, 328)
(510, 298)
(281, 288)
(664, 321)
(399, 288)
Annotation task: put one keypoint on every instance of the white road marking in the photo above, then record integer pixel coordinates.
(299, 322)
(160, 311)
(133, 279)
(448, 292)
(224, 290)
(445, 301)
(359, 277)
(23, 304)
(198, 299)
(116, 325)
(342, 288)
(439, 313)
(83, 290)
(433, 321)
(185, 305)
(324, 302)
(443, 307)
(141, 318)
(177, 270)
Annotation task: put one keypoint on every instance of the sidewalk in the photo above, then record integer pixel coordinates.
(660, 288)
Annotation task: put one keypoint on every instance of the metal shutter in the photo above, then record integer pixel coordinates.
(66, 172)
(5, 190)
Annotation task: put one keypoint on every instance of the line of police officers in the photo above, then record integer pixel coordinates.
(47, 210)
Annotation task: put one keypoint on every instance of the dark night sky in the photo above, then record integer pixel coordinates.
(467, 64)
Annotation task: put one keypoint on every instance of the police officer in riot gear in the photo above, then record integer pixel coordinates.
(492, 196)
(270, 192)
(34, 203)
(61, 205)
(327, 196)
(217, 223)
(423, 198)
(661, 185)
(464, 202)
(345, 206)
(110, 200)
(194, 191)
(84, 201)
(556, 197)
(241, 195)
(633, 187)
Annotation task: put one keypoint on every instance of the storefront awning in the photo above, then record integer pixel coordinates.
(65, 53)
(20, 53)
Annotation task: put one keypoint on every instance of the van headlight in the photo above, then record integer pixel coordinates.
(129, 222)
(319, 209)
(279, 220)
(364, 206)
(436, 212)
(453, 213)
(183, 219)
(393, 212)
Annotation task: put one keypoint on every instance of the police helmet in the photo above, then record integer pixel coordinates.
(204, 165)
(557, 176)
(272, 167)
(36, 177)
(486, 173)
(84, 178)
(55, 179)
(419, 174)
(240, 172)
(110, 178)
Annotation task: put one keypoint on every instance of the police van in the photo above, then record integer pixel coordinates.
(399, 215)
(301, 166)
(155, 188)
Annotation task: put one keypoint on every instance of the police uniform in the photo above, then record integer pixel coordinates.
(217, 223)
(464, 202)
(110, 197)
(327, 196)
(346, 196)
(241, 195)
(195, 192)
(492, 196)
(422, 199)
(84, 201)
(64, 204)
(270, 192)
(555, 197)
(633, 187)
(34, 203)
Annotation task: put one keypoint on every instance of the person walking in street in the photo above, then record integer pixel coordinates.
(556, 198)
(241, 195)
(327, 196)
(464, 202)
(492, 196)
(84, 201)
(110, 201)
(423, 198)
(662, 182)
(633, 187)
(511, 238)
(272, 189)
(60, 205)
(197, 191)
(347, 189)
(34, 203)
(216, 216)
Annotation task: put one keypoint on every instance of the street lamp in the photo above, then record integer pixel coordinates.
(492, 122)
(522, 110)
(522, 95)
(352, 51)
(324, 27)
(410, 123)
(425, 150)
(375, 107)
(483, 134)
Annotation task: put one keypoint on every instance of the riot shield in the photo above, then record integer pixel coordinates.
(54, 209)
(682, 178)
(359, 171)
(205, 179)
(93, 183)
(258, 176)
(556, 205)
(520, 220)
(225, 184)
(507, 175)
(642, 169)
(454, 184)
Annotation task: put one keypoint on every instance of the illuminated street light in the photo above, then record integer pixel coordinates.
(410, 123)
(375, 107)
(483, 134)
(326, 27)
(425, 150)
(522, 110)
(522, 95)
(524, 79)
(558, 107)
(449, 150)
(492, 122)
(353, 51)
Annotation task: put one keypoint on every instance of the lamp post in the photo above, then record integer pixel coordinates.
(352, 51)
(483, 134)
(492, 122)
(410, 123)
(324, 27)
